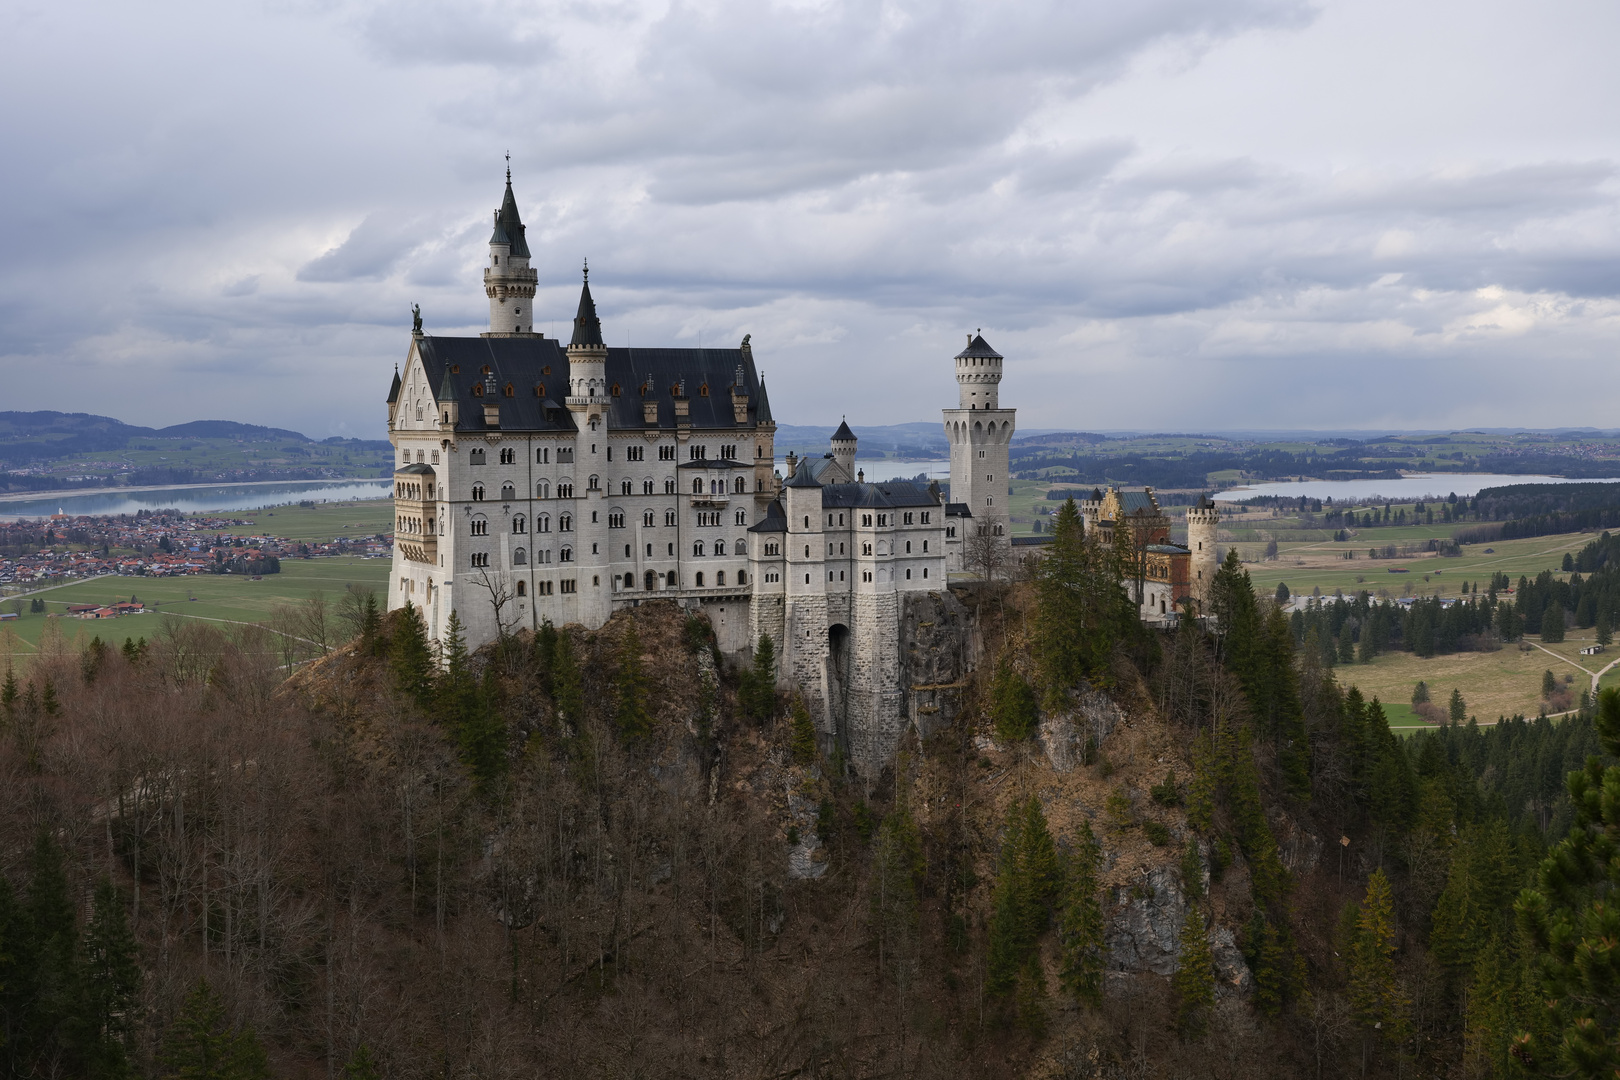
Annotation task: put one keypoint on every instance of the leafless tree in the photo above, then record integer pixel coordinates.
(316, 621)
(500, 595)
(985, 553)
(351, 610)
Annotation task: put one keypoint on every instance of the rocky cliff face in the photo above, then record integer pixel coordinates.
(939, 642)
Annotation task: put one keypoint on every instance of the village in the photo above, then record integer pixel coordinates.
(158, 543)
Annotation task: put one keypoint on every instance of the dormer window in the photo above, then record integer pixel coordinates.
(511, 391)
(615, 391)
(703, 391)
(484, 370)
(455, 369)
(478, 389)
(546, 370)
(540, 390)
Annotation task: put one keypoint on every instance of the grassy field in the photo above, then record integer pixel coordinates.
(226, 597)
(1493, 684)
(324, 521)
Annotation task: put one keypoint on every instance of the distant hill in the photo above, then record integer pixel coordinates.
(49, 436)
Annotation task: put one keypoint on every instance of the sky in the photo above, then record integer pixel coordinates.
(1172, 215)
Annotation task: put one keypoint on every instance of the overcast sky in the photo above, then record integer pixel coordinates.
(1168, 214)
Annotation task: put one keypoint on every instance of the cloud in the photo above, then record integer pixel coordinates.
(1166, 214)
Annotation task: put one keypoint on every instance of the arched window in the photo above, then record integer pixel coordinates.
(646, 487)
(476, 457)
(520, 557)
(518, 524)
(739, 548)
(720, 577)
(742, 517)
(647, 518)
(700, 579)
(542, 490)
(508, 492)
(478, 493)
(740, 486)
(651, 580)
(697, 547)
(629, 579)
(669, 487)
(669, 517)
(566, 555)
(742, 577)
(719, 547)
(565, 522)
(697, 486)
(523, 588)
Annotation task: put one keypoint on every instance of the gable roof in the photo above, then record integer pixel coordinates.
(530, 362)
(883, 496)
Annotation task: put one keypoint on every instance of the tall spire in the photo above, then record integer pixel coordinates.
(587, 327)
(508, 225)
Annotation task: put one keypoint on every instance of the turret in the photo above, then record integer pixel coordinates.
(843, 449)
(978, 375)
(587, 355)
(1202, 521)
(508, 281)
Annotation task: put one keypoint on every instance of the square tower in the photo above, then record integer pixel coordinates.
(980, 432)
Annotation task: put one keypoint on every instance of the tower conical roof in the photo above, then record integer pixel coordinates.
(587, 327)
(762, 412)
(393, 391)
(447, 389)
(508, 226)
(843, 434)
(978, 348)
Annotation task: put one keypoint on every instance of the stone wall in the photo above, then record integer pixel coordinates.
(939, 639)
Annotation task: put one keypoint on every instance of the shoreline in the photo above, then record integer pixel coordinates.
(74, 492)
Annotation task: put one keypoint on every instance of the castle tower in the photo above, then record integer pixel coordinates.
(508, 281)
(1201, 522)
(588, 401)
(980, 432)
(843, 448)
(804, 656)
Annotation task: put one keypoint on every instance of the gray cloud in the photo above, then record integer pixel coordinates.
(1141, 204)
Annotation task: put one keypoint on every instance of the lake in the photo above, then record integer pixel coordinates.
(1405, 489)
(193, 498)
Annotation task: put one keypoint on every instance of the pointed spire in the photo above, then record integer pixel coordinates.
(508, 225)
(393, 391)
(587, 327)
(762, 412)
(843, 434)
(447, 389)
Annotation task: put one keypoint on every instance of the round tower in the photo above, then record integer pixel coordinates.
(508, 281)
(980, 432)
(843, 448)
(1201, 522)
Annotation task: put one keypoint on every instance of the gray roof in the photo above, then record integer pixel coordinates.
(977, 348)
(883, 496)
(416, 469)
(508, 226)
(843, 434)
(775, 519)
(393, 391)
(762, 403)
(1167, 549)
(587, 327)
(957, 510)
(1137, 502)
(802, 478)
(712, 463)
(532, 363)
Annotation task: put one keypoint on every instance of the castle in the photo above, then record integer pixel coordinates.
(1167, 579)
(538, 481)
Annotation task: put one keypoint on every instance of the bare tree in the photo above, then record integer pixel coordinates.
(316, 621)
(500, 595)
(351, 610)
(985, 553)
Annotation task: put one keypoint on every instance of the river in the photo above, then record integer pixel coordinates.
(1405, 489)
(192, 498)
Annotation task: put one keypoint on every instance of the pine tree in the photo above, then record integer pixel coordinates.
(1375, 992)
(1026, 879)
(759, 681)
(410, 660)
(8, 695)
(110, 987)
(630, 711)
(567, 686)
(1552, 622)
(1605, 633)
(898, 867)
(202, 1044)
(1193, 984)
(1572, 925)
(1012, 704)
(804, 733)
(51, 949)
(1458, 708)
(1549, 684)
(361, 1065)
(1083, 610)
(1080, 922)
(1420, 694)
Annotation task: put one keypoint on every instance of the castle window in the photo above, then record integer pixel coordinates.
(669, 517)
(883, 519)
(697, 547)
(669, 487)
(523, 588)
(719, 547)
(616, 521)
(925, 551)
(908, 547)
(480, 558)
(926, 516)
(647, 521)
(666, 453)
(478, 389)
(925, 571)
(455, 369)
(739, 486)
(646, 487)
(568, 585)
(866, 549)
(540, 389)
(508, 492)
(480, 526)
(742, 517)
(700, 579)
(629, 581)
(594, 484)
(908, 519)
(697, 487)
(511, 391)
(866, 520)
(435, 457)
(565, 555)
(908, 575)
(508, 456)
(720, 577)
(520, 557)
(546, 370)
(475, 457)
(739, 548)
(703, 391)
(565, 455)
(624, 487)
(950, 531)
(542, 523)
(989, 500)
(518, 523)
(478, 493)
(565, 522)
(773, 549)
(616, 391)
(742, 577)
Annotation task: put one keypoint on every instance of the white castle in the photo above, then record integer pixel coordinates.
(543, 482)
